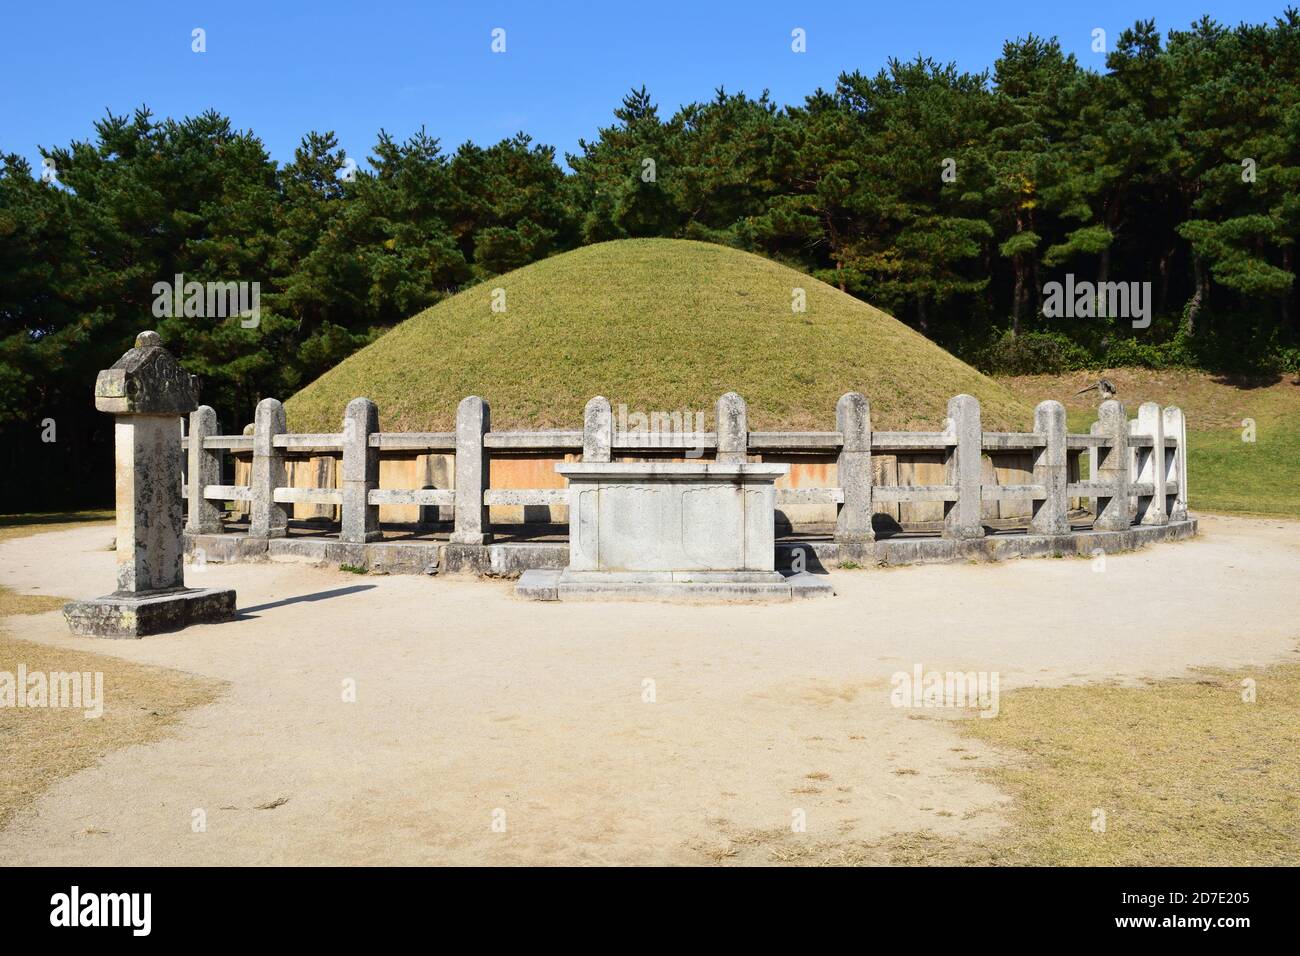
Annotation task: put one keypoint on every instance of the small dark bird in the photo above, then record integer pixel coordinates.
(1105, 388)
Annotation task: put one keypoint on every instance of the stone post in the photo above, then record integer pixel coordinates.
(147, 391)
(1051, 515)
(1175, 426)
(597, 430)
(360, 520)
(962, 518)
(204, 470)
(473, 421)
(1094, 463)
(853, 421)
(733, 428)
(1113, 468)
(243, 476)
(1151, 465)
(267, 518)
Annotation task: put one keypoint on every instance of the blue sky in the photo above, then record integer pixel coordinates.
(282, 68)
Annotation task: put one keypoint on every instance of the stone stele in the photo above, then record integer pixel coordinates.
(148, 391)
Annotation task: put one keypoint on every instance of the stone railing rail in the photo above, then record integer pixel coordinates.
(1138, 468)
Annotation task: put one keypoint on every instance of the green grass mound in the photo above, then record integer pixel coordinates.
(658, 325)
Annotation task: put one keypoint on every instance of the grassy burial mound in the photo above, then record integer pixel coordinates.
(657, 325)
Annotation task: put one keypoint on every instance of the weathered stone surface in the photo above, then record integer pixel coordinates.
(226, 548)
(504, 559)
(511, 559)
(1113, 468)
(497, 559)
(360, 520)
(268, 518)
(671, 516)
(137, 615)
(570, 576)
(146, 396)
(204, 469)
(147, 380)
(148, 392)
(672, 586)
(853, 421)
(1175, 426)
(912, 550)
(806, 585)
(380, 557)
(538, 585)
(680, 531)
(733, 428)
(1051, 514)
(965, 471)
(597, 430)
(150, 514)
(473, 421)
(1151, 465)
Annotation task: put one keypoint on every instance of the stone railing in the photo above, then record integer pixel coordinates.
(1138, 473)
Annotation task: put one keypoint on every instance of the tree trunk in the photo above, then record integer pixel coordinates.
(1017, 294)
(1110, 218)
(1033, 272)
(1198, 294)
(1288, 263)
(1164, 280)
(1038, 287)
(833, 236)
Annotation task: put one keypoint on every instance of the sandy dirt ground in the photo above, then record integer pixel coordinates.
(474, 708)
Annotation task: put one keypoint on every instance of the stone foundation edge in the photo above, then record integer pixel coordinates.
(511, 559)
(684, 588)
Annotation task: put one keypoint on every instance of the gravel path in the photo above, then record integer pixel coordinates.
(473, 707)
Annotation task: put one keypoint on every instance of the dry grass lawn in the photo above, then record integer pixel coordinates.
(38, 746)
(1185, 771)
(1177, 773)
